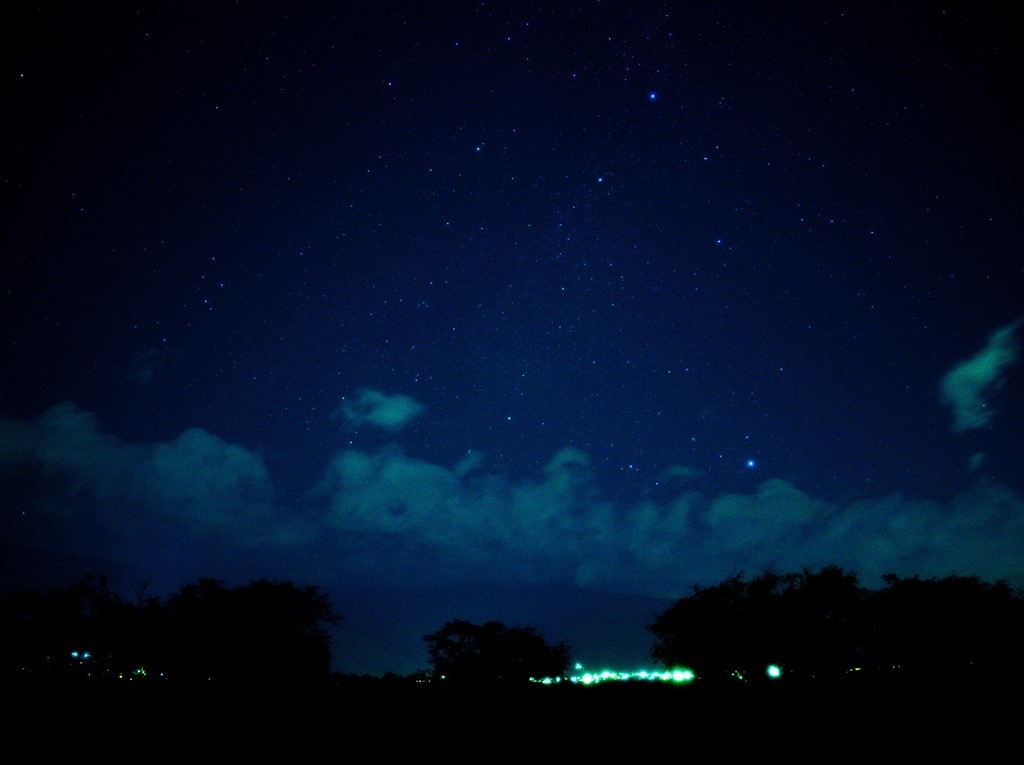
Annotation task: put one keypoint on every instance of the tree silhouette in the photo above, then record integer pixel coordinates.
(262, 632)
(83, 630)
(822, 626)
(813, 624)
(256, 634)
(728, 630)
(827, 620)
(492, 653)
(949, 627)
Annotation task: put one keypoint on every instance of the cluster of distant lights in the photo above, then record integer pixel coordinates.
(85, 658)
(676, 676)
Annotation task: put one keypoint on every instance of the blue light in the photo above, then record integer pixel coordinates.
(652, 96)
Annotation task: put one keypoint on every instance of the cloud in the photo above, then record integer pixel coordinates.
(968, 385)
(558, 527)
(469, 463)
(486, 524)
(387, 517)
(145, 365)
(380, 409)
(765, 518)
(683, 472)
(210, 484)
(78, 478)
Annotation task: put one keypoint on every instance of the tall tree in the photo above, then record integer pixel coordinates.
(811, 623)
(948, 626)
(720, 631)
(262, 632)
(84, 629)
(463, 653)
(259, 633)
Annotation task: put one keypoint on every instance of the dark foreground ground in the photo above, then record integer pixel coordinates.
(368, 720)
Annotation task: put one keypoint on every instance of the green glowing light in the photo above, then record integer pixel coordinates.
(682, 676)
(774, 671)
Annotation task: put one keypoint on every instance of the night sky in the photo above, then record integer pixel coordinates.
(537, 312)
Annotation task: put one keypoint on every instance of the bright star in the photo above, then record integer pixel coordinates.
(751, 464)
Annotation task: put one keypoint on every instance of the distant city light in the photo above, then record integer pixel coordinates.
(679, 675)
(682, 676)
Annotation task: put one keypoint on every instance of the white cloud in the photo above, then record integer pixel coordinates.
(469, 463)
(198, 482)
(379, 409)
(765, 518)
(208, 482)
(386, 515)
(968, 385)
(145, 365)
(477, 521)
(683, 472)
(558, 526)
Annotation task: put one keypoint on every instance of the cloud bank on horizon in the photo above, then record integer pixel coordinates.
(384, 515)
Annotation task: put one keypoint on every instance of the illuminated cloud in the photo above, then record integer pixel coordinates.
(379, 409)
(209, 482)
(741, 521)
(527, 530)
(968, 385)
(558, 527)
(386, 516)
(683, 472)
(69, 453)
(82, 477)
(469, 463)
(145, 365)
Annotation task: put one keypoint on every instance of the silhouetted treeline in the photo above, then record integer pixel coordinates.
(817, 627)
(262, 632)
(821, 626)
(463, 653)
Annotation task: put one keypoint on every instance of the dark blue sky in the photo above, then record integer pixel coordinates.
(536, 312)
